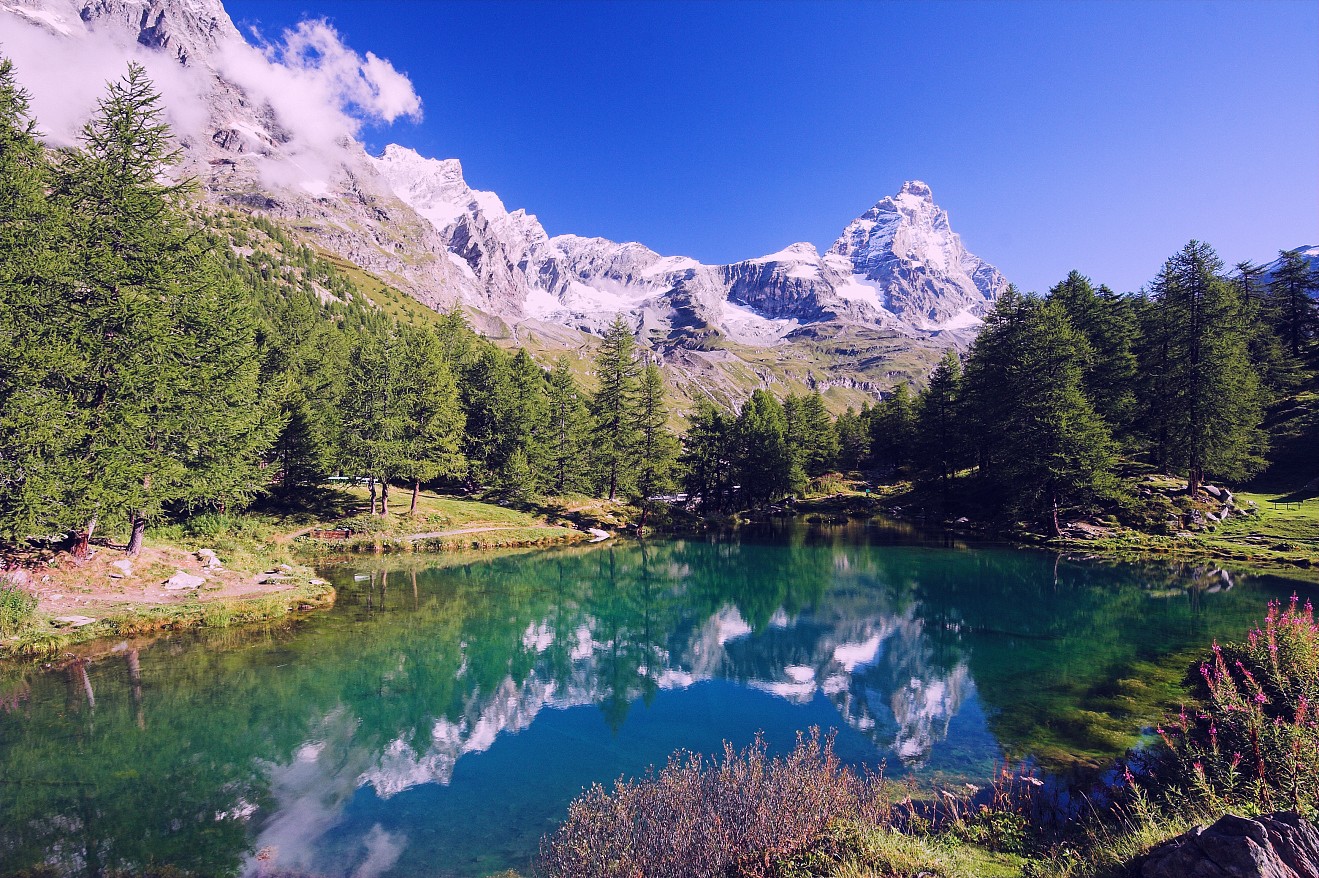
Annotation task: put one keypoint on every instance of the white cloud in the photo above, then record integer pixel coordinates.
(66, 75)
(319, 90)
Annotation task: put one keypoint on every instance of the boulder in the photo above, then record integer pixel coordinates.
(182, 580)
(125, 567)
(74, 621)
(209, 559)
(1213, 490)
(1283, 845)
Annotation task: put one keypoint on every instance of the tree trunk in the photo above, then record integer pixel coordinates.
(416, 489)
(384, 498)
(1057, 531)
(82, 542)
(372, 482)
(641, 525)
(135, 540)
(135, 680)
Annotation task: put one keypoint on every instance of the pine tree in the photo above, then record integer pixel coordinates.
(431, 421)
(892, 430)
(657, 448)
(1059, 451)
(375, 410)
(988, 394)
(762, 462)
(1107, 323)
(528, 415)
(853, 439)
(1279, 370)
(708, 456)
(1295, 312)
(166, 408)
(1215, 402)
(566, 430)
(939, 423)
(36, 433)
(613, 409)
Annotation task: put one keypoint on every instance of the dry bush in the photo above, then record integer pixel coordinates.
(699, 818)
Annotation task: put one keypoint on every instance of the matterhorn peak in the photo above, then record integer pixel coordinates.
(917, 188)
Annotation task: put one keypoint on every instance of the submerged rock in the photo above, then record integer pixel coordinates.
(1283, 845)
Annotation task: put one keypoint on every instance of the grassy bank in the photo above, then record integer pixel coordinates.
(1281, 535)
(253, 567)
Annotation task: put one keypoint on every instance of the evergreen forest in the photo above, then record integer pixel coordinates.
(161, 355)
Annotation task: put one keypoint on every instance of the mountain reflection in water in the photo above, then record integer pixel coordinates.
(440, 718)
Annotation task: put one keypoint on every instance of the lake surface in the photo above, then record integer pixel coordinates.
(440, 718)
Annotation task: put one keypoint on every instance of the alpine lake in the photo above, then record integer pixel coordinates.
(439, 719)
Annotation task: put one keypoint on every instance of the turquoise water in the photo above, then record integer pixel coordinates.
(440, 718)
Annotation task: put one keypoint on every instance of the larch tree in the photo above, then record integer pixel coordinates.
(1213, 395)
(36, 399)
(165, 383)
(375, 410)
(431, 421)
(657, 447)
(613, 409)
(1059, 450)
(567, 430)
(939, 423)
(1292, 306)
(708, 456)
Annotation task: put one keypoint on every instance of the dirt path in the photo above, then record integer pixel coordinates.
(435, 534)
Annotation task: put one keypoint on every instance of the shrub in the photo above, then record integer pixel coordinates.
(18, 609)
(700, 817)
(1255, 742)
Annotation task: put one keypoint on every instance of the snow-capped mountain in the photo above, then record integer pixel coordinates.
(898, 266)
(271, 128)
(1310, 253)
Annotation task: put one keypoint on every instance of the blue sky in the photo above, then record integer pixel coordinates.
(1097, 136)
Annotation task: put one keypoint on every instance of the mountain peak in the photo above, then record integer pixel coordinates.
(918, 189)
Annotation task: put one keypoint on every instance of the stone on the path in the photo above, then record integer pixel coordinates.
(182, 580)
(74, 621)
(125, 567)
(209, 559)
(1283, 845)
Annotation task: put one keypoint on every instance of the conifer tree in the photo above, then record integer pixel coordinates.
(528, 414)
(166, 404)
(374, 410)
(1291, 303)
(939, 423)
(987, 394)
(762, 460)
(35, 433)
(1059, 451)
(1107, 324)
(708, 456)
(853, 439)
(566, 431)
(1279, 370)
(431, 422)
(613, 409)
(892, 430)
(1215, 402)
(657, 448)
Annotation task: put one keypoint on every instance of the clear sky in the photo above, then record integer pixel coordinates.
(1099, 136)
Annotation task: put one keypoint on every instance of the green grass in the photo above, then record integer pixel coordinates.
(855, 850)
(43, 640)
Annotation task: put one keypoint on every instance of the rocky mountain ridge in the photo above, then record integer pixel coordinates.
(416, 222)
